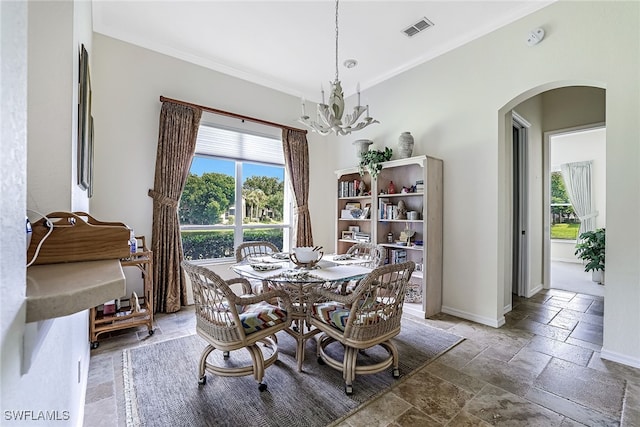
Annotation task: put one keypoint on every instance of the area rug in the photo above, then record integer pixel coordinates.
(161, 383)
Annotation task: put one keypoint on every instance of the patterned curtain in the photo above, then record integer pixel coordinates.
(176, 146)
(296, 158)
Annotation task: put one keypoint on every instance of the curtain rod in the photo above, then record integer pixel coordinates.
(228, 114)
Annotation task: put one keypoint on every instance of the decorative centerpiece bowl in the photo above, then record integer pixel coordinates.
(307, 256)
(356, 213)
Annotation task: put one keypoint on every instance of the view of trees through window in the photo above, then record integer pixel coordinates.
(209, 205)
(564, 221)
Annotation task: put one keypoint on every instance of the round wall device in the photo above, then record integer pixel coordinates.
(535, 36)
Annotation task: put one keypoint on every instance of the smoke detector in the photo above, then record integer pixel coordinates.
(535, 36)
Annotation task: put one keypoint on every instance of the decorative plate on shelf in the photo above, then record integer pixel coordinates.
(356, 213)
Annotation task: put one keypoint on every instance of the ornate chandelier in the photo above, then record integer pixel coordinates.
(329, 117)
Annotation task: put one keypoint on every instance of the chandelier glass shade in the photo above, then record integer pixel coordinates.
(330, 116)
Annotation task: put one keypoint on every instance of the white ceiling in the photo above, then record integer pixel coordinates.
(290, 45)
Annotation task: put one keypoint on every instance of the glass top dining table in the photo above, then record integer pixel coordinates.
(331, 271)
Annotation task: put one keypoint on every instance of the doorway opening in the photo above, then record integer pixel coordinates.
(520, 245)
(584, 148)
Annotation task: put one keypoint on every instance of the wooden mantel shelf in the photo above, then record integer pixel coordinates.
(55, 290)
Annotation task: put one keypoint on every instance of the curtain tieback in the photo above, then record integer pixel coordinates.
(302, 209)
(589, 215)
(162, 199)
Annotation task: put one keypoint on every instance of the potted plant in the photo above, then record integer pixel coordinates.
(591, 249)
(372, 161)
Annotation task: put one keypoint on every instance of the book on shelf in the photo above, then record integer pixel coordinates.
(362, 237)
(397, 256)
(348, 188)
(392, 211)
(387, 210)
(382, 207)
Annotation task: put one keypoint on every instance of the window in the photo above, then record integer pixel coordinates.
(564, 221)
(236, 191)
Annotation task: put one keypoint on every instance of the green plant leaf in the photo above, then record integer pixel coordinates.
(372, 159)
(592, 249)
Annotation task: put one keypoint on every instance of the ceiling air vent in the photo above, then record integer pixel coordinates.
(419, 26)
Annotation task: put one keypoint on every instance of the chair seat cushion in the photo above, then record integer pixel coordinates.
(256, 317)
(332, 313)
(336, 314)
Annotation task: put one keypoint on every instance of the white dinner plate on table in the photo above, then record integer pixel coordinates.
(265, 266)
(280, 255)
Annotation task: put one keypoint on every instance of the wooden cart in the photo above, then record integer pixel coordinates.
(128, 316)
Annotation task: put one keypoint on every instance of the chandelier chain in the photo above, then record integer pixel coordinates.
(337, 40)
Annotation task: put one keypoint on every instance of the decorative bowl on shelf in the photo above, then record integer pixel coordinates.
(356, 213)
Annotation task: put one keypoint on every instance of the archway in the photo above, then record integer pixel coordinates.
(548, 107)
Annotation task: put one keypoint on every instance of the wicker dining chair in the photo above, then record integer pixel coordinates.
(370, 252)
(371, 255)
(231, 322)
(255, 248)
(368, 317)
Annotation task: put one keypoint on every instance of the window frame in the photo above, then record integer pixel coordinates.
(238, 226)
(556, 169)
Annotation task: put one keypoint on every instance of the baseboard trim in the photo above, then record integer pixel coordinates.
(534, 291)
(570, 260)
(507, 309)
(494, 323)
(613, 356)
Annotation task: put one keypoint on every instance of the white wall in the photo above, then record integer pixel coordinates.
(13, 176)
(13, 179)
(39, 47)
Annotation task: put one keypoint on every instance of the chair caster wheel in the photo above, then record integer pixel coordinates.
(321, 361)
(94, 345)
(348, 389)
(396, 373)
(225, 355)
(262, 386)
(202, 380)
(151, 331)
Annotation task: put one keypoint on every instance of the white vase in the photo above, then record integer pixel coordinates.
(405, 145)
(597, 276)
(362, 145)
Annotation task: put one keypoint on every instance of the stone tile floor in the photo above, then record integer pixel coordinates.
(542, 368)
